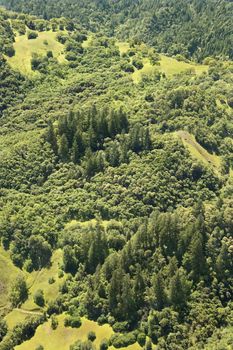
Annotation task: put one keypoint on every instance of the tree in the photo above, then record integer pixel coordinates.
(197, 257)
(39, 298)
(19, 292)
(51, 137)
(3, 329)
(159, 291)
(179, 290)
(63, 149)
(91, 336)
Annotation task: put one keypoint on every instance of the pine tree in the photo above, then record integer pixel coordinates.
(127, 304)
(75, 154)
(63, 149)
(159, 291)
(197, 257)
(179, 291)
(139, 289)
(51, 138)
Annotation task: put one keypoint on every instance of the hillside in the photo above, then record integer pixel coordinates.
(176, 27)
(116, 162)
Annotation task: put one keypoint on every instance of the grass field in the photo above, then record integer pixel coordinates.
(24, 49)
(15, 317)
(87, 42)
(171, 66)
(8, 274)
(123, 46)
(39, 280)
(62, 337)
(148, 68)
(198, 152)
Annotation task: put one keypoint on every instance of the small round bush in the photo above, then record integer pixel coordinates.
(39, 347)
(51, 280)
(39, 298)
(91, 336)
(32, 35)
(104, 344)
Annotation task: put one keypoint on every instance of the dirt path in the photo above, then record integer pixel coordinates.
(28, 312)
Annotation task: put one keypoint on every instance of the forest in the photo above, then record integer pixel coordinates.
(116, 175)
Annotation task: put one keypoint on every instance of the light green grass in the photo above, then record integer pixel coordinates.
(198, 152)
(171, 66)
(87, 42)
(63, 337)
(8, 274)
(24, 49)
(15, 317)
(75, 223)
(123, 46)
(147, 69)
(39, 280)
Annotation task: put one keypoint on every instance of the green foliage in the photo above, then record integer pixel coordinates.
(32, 35)
(39, 298)
(131, 181)
(91, 336)
(19, 292)
(73, 321)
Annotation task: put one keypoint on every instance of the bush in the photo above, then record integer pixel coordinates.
(73, 321)
(120, 327)
(32, 35)
(39, 298)
(9, 50)
(51, 280)
(137, 63)
(121, 341)
(141, 338)
(91, 336)
(39, 347)
(104, 344)
(54, 322)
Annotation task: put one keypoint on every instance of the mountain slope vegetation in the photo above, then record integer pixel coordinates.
(116, 158)
(177, 27)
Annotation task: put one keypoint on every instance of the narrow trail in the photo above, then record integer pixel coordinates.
(35, 313)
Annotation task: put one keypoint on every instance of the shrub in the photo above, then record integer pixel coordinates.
(54, 322)
(39, 298)
(51, 280)
(121, 341)
(9, 50)
(141, 338)
(73, 321)
(91, 336)
(120, 327)
(39, 347)
(104, 344)
(137, 63)
(32, 35)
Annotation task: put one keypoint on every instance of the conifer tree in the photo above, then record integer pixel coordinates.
(51, 138)
(63, 149)
(159, 291)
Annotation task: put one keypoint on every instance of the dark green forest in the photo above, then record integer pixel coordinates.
(131, 180)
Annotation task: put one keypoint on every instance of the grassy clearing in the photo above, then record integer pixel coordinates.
(198, 152)
(24, 49)
(39, 280)
(75, 224)
(171, 66)
(15, 317)
(123, 46)
(87, 42)
(62, 337)
(8, 274)
(147, 69)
